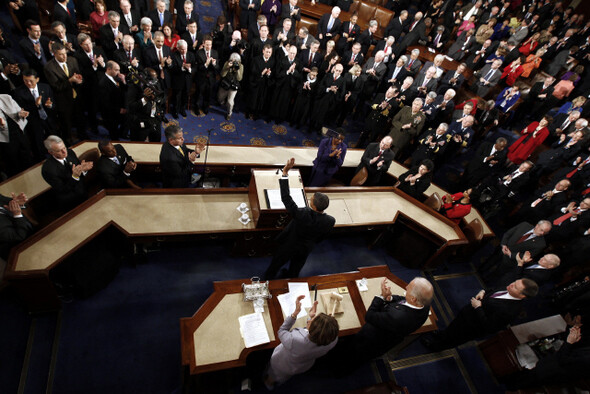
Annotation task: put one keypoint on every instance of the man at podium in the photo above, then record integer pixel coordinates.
(307, 226)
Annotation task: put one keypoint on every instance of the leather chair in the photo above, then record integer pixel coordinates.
(383, 16)
(434, 201)
(310, 24)
(366, 12)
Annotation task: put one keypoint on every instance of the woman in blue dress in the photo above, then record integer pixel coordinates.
(330, 157)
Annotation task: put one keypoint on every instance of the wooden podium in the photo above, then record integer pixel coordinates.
(261, 181)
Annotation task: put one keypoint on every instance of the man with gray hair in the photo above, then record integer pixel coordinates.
(63, 171)
(367, 37)
(425, 82)
(129, 18)
(128, 55)
(111, 34)
(329, 26)
(407, 124)
(182, 71)
(160, 16)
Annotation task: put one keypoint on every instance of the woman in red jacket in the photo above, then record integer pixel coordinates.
(456, 206)
(513, 71)
(532, 136)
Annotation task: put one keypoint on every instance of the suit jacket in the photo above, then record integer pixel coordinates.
(414, 67)
(120, 56)
(412, 37)
(248, 15)
(399, 78)
(155, 17)
(135, 20)
(343, 43)
(182, 78)
(107, 38)
(89, 75)
(67, 191)
(12, 230)
(386, 325)
(477, 169)
(375, 172)
(359, 59)
(176, 168)
(206, 73)
(28, 49)
(304, 59)
(286, 13)
(110, 173)
(150, 59)
(366, 39)
(430, 86)
(464, 41)
(112, 98)
(59, 82)
(493, 80)
(306, 227)
(24, 98)
(198, 38)
(395, 28)
(61, 15)
(323, 26)
(510, 238)
(181, 21)
(446, 83)
(373, 80)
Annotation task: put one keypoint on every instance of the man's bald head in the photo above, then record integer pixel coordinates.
(419, 292)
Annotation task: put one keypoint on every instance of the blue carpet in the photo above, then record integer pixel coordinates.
(458, 291)
(41, 353)
(434, 377)
(478, 371)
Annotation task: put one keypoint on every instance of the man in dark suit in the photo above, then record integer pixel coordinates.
(396, 73)
(563, 123)
(519, 239)
(130, 18)
(14, 227)
(248, 14)
(563, 150)
(160, 16)
(188, 14)
(488, 160)
(376, 159)
(291, 11)
(397, 25)
(37, 99)
(307, 226)
(114, 167)
(570, 220)
(183, 68)
(539, 94)
(176, 159)
(35, 47)
(63, 75)
(487, 313)
(284, 33)
(112, 104)
(417, 179)
(413, 64)
(544, 201)
(111, 34)
(444, 105)
(452, 79)
(311, 57)
(367, 37)
(374, 69)
(159, 58)
(540, 272)
(60, 35)
(487, 78)
(63, 171)
(146, 111)
(425, 83)
(207, 69)
(193, 37)
(62, 14)
(92, 61)
(329, 26)
(416, 32)
(352, 57)
(389, 319)
(463, 46)
(128, 56)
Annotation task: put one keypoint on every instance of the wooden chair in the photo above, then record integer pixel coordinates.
(434, 202)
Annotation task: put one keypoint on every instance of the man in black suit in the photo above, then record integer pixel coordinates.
(63, 171)
(60, 35)
(193, 37)
(494, 189)
(183, 69)
(540, 272)
(37, 99)
(563, 123)
(307, 226)
(416, 32)
(14, 227)
(92, 62)
(284, 34)
(425, 83)
(519, 239)
(207, 69)
(563, 150)
(114, 167)
(111, 34)
(397, 25)
(35, 47)
(130, 18)
(367, 37)
(62, 14)
(389, 319)
(538, 95)
(350, 30)
(188, 14)
(128, 56)
(160, 16)
(112, 104)
(487, 313)
(291, 11)
(176, 159)
(463, 46)
(63, 75)
(488, 160)
(329, 26)
(487, 78)
(248, 14)
(570, 220)
(376, 159)
(545, 201)
(311, 57)
(352, 57)
(159, 58)
(396, 73)
(452, 79)
(417, 179)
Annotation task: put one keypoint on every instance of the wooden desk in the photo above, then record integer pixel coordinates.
(211, 341)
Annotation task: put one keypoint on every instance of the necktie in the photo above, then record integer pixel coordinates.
(161, 19)
(499, 294)
(353, 57)
(330, 24)
(128, 17)
(413, 25)
(425, 82)
(410, 63)
(188, 17)
(436, 39)
(42, 113)
(350, 28)
(563, 218)
(489, 74)
(65, 68)
(129, 55)
(525, 237)
(573, 172)
(91, 56)
(565, 124)
(183, 59)
(181, 152)
(310, 58)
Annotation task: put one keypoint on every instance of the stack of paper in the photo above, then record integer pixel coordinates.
(287, 300)
(253, 330)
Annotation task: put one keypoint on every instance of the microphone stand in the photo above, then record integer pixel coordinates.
(205, 161)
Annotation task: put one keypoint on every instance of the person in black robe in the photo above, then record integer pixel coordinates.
(262, 78)
(306, 93)
(287, 78)
(330, 96)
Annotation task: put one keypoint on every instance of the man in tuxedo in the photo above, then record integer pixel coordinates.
(488, 160)
(160, 16)
(14, 227)
(292, 12)
(130, 18)
(114, 167)
(307, 226)
(35, 47)
(37, 99)
(207, 70)
(63, 171)
(111, 34)
(329, 26)
(518, 239)
(159, 58)
(61, 13)
(188, 14)
(176, 159)
(397, 25)
(487, 78)
(487, 313)
(112, 103)
(183, 71)
(248, 14)
(389, 319)
(376, 159)
(193, 37)
(92, 62)
(64, 77)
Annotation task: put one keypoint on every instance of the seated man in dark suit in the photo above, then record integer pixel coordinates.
(544, 201)
(63, 171)
(376, 160)
(416, 180)
(176, 159)
(540, 272)
(14, 227)
(307, 226)
(489, 159)
(570, 220)
(114, 167)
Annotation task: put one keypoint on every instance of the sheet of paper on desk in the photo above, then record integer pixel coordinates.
(300, 288)
(274, 198)
(253, 330)
(287, 302)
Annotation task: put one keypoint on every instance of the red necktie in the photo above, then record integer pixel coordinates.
(563, 218)
(310, 58)
(350, 28)
(410, 63)
(523, 238)
(586, 191)
(183, 59)
(130, 58)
